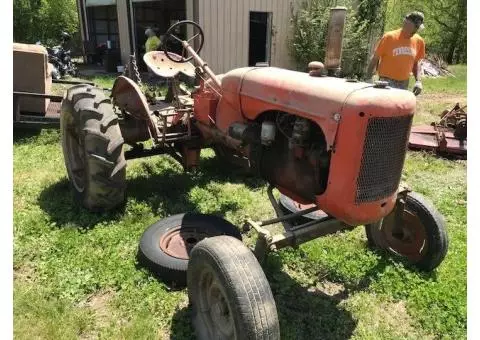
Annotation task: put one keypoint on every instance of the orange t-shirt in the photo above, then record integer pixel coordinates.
(397, 54)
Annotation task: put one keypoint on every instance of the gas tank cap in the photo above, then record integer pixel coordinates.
(380, 84)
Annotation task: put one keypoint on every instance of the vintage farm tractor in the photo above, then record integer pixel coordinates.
(337, 145)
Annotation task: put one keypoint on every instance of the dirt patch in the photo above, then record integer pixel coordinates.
(431, 105)
(396, 314)
(334, 290)
(443, 98)
(329, 288)
(389, 319)
(25, 273)
(98, 304)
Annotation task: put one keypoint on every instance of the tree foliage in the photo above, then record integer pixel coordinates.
(43, 20)
(365, 21)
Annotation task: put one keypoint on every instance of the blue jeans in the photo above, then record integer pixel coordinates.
(398, 84)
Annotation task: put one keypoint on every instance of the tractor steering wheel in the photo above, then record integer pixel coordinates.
(170, 36)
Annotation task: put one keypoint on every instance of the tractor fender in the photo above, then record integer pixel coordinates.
(128, 96)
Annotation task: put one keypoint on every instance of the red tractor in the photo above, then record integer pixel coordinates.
(333, 144)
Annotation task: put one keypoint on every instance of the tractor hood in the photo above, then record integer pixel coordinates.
(290, 89)
(321, 99)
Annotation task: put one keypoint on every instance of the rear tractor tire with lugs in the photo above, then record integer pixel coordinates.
(93, 148)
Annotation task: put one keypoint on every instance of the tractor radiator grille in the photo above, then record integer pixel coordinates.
(383, 157)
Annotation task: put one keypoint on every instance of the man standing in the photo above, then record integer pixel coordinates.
(398, 53)
(153, 42)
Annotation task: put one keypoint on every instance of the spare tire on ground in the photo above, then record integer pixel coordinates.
(165, 246)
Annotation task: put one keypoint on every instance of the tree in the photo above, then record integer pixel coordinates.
(452, 18)
(43, 20)
(365, 22)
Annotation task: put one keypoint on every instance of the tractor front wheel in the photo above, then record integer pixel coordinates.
(93, 148)
(229, 293)
(419, 235)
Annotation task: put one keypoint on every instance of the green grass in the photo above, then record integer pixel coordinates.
(440, 94)
(76, 274)
(103, 81)
(451, 85)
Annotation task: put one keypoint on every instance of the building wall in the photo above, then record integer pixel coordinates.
(123, 30)
(226, 27)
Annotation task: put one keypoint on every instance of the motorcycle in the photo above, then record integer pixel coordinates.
(61, 59)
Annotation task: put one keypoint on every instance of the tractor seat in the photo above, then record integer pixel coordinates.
(166, 68)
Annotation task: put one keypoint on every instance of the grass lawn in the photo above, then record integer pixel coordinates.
(76, 276)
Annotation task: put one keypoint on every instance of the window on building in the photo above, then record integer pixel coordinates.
(103, 25)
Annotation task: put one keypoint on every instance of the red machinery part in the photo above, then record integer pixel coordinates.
(438, 139)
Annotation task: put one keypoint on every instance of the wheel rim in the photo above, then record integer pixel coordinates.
(75, 157)
(215, 311)
(179, 241)
(409, 239)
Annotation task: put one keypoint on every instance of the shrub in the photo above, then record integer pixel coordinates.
(364, 24)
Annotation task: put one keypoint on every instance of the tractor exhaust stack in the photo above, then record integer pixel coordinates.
(333, 52)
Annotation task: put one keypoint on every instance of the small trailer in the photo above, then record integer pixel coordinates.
(36, 120)
(34, 105)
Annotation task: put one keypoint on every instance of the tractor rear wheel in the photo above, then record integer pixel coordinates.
(93, 148)
(229, 293)
(421, 237)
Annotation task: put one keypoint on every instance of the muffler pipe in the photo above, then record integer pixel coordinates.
(333, 52)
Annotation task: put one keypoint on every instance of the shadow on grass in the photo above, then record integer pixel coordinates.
(25, 136)
(303, 313)
(442, 155)
(165, 192)
(388, 259)
(57, 200)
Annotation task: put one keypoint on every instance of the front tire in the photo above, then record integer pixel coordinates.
(229, 293)
(421, 239)
(92, 146)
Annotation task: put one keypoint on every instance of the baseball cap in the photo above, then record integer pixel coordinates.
(417, 18)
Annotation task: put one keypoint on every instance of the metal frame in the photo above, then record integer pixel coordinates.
(293, 236)
(38, 120)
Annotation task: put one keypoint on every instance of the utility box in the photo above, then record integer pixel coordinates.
(32, 73)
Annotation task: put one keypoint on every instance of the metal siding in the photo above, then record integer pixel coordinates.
(247, 5)
(189, 9)
(226, 26)
(203, 19)
(238, 34)
(123, 30)
(213, 22)
(228, 46)
(221, 52)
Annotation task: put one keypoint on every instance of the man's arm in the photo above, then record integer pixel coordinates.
(417, 70)
(417, 73)
(372, 66)
(379, 52)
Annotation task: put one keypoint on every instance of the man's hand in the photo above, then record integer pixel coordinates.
(417, 89)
